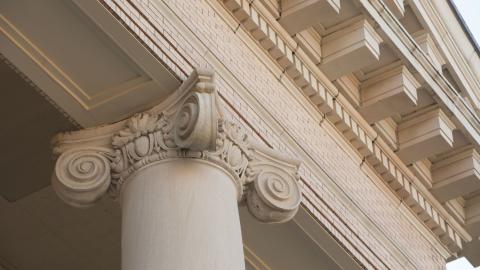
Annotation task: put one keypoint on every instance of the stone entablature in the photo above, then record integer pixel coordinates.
(454, 46)
(188, 125)
(338, 110)
(245, 48)
(426, 63)
(332, 99)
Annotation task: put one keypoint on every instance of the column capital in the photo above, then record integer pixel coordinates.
(188, 124)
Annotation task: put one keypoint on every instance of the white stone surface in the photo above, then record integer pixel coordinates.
(181, 169)
(297, 15)
(391, 92)
(349, 49)
(456, 175)
(204, 36)
(423, 134)
(181, 214)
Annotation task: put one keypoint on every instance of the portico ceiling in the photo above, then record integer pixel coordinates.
(28, 123)
(90, 66)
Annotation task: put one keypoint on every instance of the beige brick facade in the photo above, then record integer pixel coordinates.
(340, 190)
(353, 123)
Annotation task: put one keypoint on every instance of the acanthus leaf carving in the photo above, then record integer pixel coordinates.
(265, 179)
(144, 139)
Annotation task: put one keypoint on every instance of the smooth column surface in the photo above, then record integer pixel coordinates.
(181, 214)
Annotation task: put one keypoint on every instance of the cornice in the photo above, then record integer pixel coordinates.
(188, 125)
(425, 68)
(464, 26)
(209, 57)
(423, 115)
(449, 46)
(341, 113)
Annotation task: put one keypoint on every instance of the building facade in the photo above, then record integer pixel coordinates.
(238, 134)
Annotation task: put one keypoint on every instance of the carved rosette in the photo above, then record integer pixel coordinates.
(92, 162)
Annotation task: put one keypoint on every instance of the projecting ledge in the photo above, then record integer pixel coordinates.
(350, 49)
(424, 134)
(298, 15)
(388, 93)
(456, 175)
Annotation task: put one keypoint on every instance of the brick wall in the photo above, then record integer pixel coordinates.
(274, 97)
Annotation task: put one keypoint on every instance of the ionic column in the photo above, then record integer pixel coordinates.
(181, 214)
(179, 171)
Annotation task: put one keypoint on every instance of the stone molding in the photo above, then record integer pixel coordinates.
(188, 124)
(337, 109)
(207, 57)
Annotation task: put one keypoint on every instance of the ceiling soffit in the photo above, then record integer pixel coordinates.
(83, 59)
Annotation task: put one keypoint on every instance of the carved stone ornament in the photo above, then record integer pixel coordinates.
(188, 124)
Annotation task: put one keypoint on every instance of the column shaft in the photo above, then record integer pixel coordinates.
(181, 214)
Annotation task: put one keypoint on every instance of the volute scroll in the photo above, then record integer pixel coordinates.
(81, 176)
